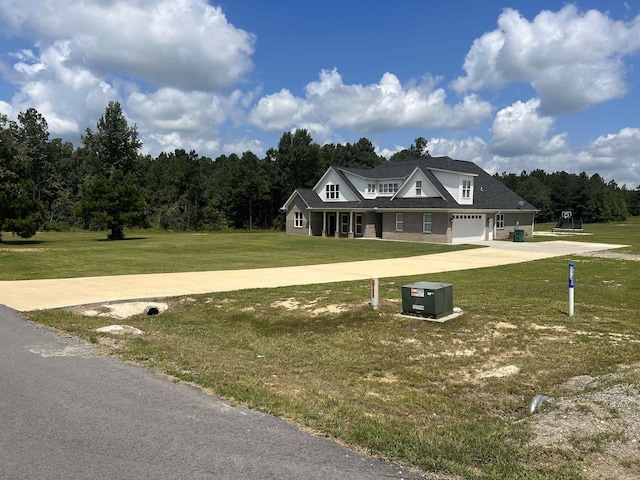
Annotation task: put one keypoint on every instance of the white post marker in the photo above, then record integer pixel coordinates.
(374, 293)
(571, 285)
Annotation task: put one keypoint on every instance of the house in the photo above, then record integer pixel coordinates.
(427, 199)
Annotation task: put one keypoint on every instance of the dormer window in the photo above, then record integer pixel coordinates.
(466, 189)
(418, 188)
(388, 188)
(333, 191)
(371, 188)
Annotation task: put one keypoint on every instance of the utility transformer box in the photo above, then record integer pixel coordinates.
(427, 299)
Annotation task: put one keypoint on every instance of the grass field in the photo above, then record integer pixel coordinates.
(83, 254)
(451, 398)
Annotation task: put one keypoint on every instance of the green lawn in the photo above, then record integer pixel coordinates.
(84, 254)
(623, 233)
(448, 398)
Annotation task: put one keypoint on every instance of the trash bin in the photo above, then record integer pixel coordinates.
(518, 235)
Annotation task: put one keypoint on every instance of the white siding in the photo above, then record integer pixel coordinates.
(453, 183)
(332, 178)
(408, 189)
(360, 184)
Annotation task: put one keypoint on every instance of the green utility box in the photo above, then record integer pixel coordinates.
(518, 235)
(427, 299)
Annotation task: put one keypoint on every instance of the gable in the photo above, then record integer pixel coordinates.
(333, 187)
(456, 184)
(417, 185)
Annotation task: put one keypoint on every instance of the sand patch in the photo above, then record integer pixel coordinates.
(120, 310)
(120, 330)
(328, 309)
(388, 377)
(309, 307)
(506, 325)
(500, 372)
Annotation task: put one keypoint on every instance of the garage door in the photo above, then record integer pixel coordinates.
(467, 228)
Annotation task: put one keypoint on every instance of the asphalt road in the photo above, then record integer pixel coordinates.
(66, 413)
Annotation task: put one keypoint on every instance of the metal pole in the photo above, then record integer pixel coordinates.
(374, 293)
(571, 288)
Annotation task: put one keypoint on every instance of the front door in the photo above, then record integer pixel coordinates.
(378, 221)
(331, 227)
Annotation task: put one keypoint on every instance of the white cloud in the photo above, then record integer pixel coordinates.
(279, 111)
(572, 59)
(168, 119)
(520, 129)
(186, 44)
(244, 145)
(169, 142)
(67, 95)
(387, 105)
(613, 156)
(473, 149)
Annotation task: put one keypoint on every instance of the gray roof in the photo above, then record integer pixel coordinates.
(489, 193)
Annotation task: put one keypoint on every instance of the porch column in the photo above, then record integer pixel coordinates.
(338, 224)
(324, 224)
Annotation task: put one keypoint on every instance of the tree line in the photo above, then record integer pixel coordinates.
(589, 198)
(107, 183)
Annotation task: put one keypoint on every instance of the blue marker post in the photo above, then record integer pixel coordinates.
(571, 285)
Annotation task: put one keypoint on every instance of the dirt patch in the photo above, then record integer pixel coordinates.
(328, 309)
(120, 330)
(599, 420)
(387, 377)
(555, 328)
(500, 372)
(506, 325)
(310, 307)
(120, 310)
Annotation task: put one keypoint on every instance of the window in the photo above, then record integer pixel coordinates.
(500, 220)
(298, 220)
(466, 189)
(358, 224)
(399, 222)
(418, 187)
(344, 222)
(426, 223)
(371, 188)
(332, 191)
(388, 188)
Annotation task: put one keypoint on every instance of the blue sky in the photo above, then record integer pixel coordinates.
(511, 85)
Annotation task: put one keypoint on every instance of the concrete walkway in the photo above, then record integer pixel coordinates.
(25, 295)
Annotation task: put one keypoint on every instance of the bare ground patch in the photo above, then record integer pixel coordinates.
(598, 421)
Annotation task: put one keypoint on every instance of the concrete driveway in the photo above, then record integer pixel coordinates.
(26, 295)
